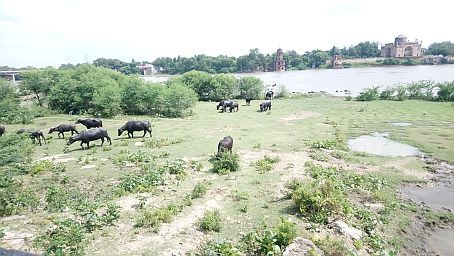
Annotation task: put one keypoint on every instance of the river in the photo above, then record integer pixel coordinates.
(351, 79)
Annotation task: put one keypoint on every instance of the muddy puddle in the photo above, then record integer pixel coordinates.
(379, 144)
(436, 198)
(442, 242)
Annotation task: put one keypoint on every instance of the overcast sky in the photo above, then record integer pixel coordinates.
(52, 32)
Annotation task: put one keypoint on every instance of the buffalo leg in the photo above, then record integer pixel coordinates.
(102, 141)
(144, 133)
(45, 139)
(109, 140)
(88, 144)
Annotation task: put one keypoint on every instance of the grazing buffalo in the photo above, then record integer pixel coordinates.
(90, 123)
(227, 104)
(269, 95)
(225, 144)
(234, 105)
(266, 105)
(34, 135)
(64, 128)
(134, 126)
(2, 130)
(248, 100)
(90, 135)
(220, 105)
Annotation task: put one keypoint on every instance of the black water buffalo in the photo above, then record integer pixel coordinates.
(64, 128)
(90, 135)
(134, 126)
(225, 144)
(220, 105)
(2, 130)
(227, 104)
(269, 95)
(90, 123)
(266, 105)
(34, 135)
(248, 100)
(234, 105)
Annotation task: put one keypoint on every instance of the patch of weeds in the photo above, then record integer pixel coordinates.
(175, 167)
(223, 248)
(195, 166)
(153, 219)
(318, 155)
(339, 154)
(200, 189)
(163, 155)
(226, 163)
(211, 221)
(239, 196)
(46, 166)
(331, 246)
(243, 208)
(65, 237)
(15, 148)
(14, 198)
(146, 179)
(57, 197)
(436, 218)
(257, 146)
(266, 164)
(125, 157)
(107, 148)
(159, 143)
(141, 204)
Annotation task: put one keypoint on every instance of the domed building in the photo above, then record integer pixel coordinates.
(401, 48)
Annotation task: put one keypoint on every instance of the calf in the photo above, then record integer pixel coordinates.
(90, 123)
(90, 135)
(34, 135)
(266, 105)
(269, 95)
(2, 130)
(225, 144)
(133, 126)
(234, 105)
(64, 128)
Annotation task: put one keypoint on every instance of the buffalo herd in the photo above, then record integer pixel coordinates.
(98, 132)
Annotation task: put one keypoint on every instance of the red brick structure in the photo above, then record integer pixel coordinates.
(279, 62)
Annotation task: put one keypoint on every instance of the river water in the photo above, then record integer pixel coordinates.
(351, 79)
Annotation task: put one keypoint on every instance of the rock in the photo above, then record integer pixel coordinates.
(343, 228)
(375, 207)
(302, 246)
(139, 144)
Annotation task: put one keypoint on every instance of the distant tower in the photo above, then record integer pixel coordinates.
(279, 62)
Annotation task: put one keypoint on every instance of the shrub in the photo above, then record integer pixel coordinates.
(446, 91)
(266, 164)
(251, 86)
(401, 93)
(153, 219)
(331, 246)
(211, 221)
(387, 93)
(64, 238)
(226, 162)
(320, 200)
(285, 232)
(369, 94)
(281, 92)
(219, 248)
(200, 189)
(15, 148)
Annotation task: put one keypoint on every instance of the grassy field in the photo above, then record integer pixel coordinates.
(248, 200)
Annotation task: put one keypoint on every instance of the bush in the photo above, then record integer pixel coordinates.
(285, 232)
(388, 93)
(15, 148)
(320, 200)
(211, 221)
(266, 164)
(446, 91)
(200, 189)
(251, 86)
(226, 162)
(219, 248)
(281, 92)
(64, 238)
(153, 219)
(369, 94)
(401, 93)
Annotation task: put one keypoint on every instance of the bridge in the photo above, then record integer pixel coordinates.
(10, 75)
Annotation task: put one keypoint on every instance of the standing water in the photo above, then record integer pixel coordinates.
(378, 144)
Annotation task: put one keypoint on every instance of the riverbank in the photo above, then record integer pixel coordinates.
(308, 137)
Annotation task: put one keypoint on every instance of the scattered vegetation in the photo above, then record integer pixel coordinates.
(266, 164)
(159, 143)
(226, 162)
(211, 221)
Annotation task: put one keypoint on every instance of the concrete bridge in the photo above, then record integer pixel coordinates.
(10, 75)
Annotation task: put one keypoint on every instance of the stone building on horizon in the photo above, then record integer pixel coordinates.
(279, 62)
(401, 48)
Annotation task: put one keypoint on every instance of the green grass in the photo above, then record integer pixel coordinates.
(184, 147)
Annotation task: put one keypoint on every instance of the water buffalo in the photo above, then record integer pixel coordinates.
(34, 135)
(248, 100)
(90, 123)
(220, 105)
(227, 104)
(234, 105)
(90, 135)
(269, 95)
(133, 126)
(2, 130)
(225, 144)
(266, 105)
(64, 128)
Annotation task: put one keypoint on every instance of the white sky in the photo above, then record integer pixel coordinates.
(52, 32)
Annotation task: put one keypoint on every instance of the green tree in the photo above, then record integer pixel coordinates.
(224, 87)
(251, 86)
(444, 48)
(36, 82)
